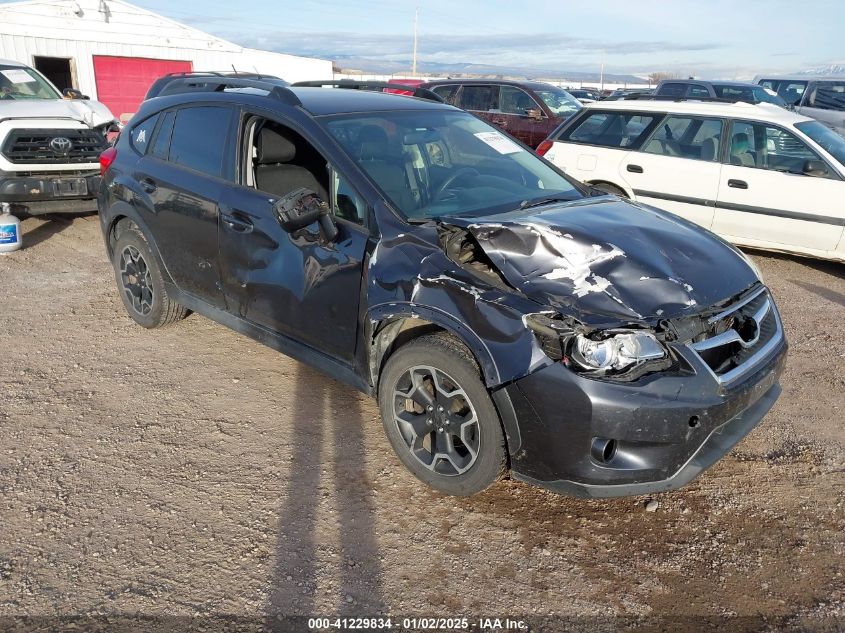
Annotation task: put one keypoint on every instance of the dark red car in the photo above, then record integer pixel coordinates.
(527, 110)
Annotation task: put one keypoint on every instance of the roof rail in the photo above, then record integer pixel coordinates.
(375, 86)
(182, 83)
(651, 97)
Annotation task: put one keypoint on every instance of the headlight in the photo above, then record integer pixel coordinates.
(617, 352)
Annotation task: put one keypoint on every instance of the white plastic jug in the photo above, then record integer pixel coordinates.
(10, 230)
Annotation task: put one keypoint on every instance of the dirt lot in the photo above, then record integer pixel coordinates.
(191, 471)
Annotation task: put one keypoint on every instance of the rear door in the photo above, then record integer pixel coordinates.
(677, 168)
(766, 200)
(594, 145)
(825, 102)
(483, 101)
(184, 175)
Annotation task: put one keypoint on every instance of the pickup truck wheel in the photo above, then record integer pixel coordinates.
(140, 283)
(439, 417)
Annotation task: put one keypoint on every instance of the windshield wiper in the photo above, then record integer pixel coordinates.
(527, 204)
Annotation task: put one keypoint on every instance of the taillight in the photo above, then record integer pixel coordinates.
(106, 159)
(544, 147)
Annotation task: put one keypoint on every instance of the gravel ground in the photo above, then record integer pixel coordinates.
(193, 472)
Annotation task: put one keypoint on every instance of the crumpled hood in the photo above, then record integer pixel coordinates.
(604, 257)
(91, 113)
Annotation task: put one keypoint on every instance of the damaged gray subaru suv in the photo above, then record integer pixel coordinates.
(508, 318)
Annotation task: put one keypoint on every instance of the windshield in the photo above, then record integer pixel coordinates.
(829, 140)
(560, 102)
(439, 163)
(24, 83)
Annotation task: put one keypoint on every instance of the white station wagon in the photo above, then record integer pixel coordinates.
(758, 175)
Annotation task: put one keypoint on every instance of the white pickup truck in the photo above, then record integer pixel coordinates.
(49, 145)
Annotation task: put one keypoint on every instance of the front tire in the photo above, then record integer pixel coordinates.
(141, 284)
(439, 418)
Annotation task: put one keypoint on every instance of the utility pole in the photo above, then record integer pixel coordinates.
(601, 76)
(416, 19)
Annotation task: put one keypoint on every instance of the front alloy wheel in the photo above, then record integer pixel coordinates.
(436, 420)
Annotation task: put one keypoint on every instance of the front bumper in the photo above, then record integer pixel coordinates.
(667, 429)
(52, 192)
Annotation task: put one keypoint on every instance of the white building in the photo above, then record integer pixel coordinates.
(112, 50)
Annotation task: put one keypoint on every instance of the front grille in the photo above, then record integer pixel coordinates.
(34, 146)
(740, 337)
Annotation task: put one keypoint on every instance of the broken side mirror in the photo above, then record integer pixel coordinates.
(73, 93)
(303, 207)
(534, 114)
(815, 168)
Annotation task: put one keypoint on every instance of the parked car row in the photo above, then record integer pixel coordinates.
(758, 175)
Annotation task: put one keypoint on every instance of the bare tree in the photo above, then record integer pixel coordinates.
(657, 77)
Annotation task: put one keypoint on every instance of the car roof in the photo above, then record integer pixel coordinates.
(533, 85)
(716, 82)
(316, 101)
(763, 111)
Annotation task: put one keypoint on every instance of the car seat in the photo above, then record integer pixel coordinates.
(386, 165)
(275, 171)
(709, 148)
(740, 154)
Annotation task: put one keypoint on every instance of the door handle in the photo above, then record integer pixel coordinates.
(737, 184)
(634, 169)
(148, 185)
(236, 223)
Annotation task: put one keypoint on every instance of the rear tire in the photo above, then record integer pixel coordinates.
(608, 188)
(439, 417)
(141, 284)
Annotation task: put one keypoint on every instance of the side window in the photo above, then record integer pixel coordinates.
(199, 138)
(610, 129)
(142, 134)
(697, 90)
(347, 203)
(770, 84)
(792, 91)
(478, 98)
(696, 138)
(768, 147)
(514, 100)
(672, 90)
(828, 96)
(161, 144)
(446, 92)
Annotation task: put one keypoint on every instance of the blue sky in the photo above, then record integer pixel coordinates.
(707, 38)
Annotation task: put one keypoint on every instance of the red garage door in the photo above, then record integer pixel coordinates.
(122, 82)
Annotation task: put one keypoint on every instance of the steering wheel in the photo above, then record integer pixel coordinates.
(464, 171)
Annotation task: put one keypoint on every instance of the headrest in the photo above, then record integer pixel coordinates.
(372, 141)
(709, 148)
(740, 142)
(272, 148)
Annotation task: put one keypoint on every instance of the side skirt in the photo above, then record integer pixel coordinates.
(338, 370)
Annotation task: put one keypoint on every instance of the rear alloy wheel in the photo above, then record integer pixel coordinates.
(439, 417)
(140, 282)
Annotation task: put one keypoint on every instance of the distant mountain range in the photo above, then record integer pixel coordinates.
(830, 69)
(374, 66)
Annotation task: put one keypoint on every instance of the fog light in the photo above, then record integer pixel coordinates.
(602, 449)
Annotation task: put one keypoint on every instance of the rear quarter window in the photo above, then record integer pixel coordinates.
(142, 134)
(610, 129)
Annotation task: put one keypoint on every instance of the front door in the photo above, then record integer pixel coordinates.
(297, 284)
(765, 198)
(678, 168)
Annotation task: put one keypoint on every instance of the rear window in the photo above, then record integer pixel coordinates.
(199, 138)
(610, 129)
(672, 90)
